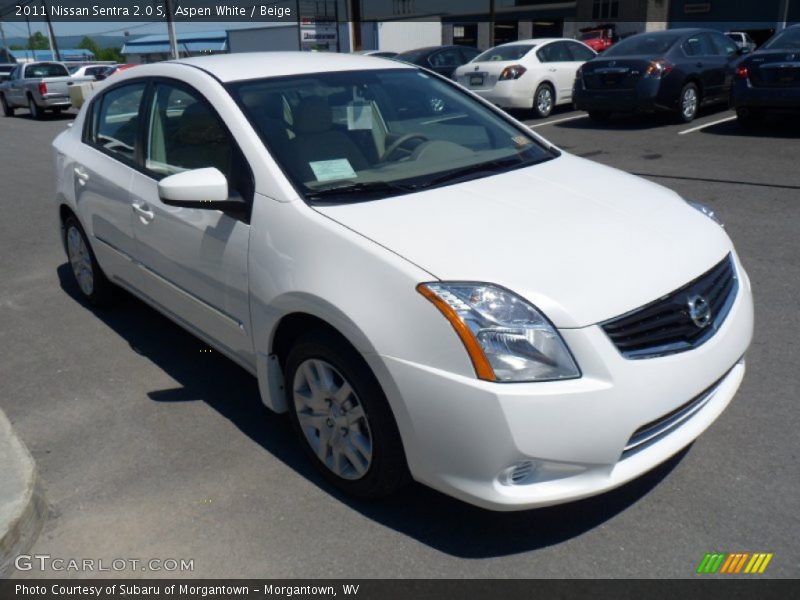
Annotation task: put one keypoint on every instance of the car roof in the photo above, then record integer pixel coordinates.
(537, 41)
(257, 65)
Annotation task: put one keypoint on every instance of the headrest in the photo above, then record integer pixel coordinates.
(312, 115)
(198, 125)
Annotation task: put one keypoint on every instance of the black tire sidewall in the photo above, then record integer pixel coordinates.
(34, 109)
(7, 110)
(387, 471)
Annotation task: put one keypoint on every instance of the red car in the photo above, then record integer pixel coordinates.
(599, 37)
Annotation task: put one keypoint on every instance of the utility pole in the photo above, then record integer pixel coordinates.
(3, 36)
(51, 35)
(173, 44)
(491, 23)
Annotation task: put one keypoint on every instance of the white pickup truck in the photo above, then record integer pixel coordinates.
(38, 86)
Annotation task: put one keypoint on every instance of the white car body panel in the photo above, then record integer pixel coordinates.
(542, 232)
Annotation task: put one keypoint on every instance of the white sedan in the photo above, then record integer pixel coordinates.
(537, 73)
(428, 288)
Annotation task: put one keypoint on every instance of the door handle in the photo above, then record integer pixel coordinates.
(552, 69)
(81, 175)
(144, 214)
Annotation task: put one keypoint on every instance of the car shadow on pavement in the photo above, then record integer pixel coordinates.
(48, 116)
(774, 126)
(638, 121)
(432, 518)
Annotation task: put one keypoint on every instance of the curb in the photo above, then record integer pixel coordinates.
(22, 506)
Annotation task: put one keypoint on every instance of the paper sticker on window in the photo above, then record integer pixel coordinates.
(521, 141)
(359, 116)
(331, 170)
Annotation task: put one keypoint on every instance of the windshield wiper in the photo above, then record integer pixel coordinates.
(469, 172)
(375, 189)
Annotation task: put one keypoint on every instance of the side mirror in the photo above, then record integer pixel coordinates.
(743, 50)
(198, 188)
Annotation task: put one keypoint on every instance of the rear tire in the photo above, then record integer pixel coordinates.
(600, 116)
(342, 418)
(688, 103)
(544, 99)
(36, 112)
(8, 111)
(94, 286)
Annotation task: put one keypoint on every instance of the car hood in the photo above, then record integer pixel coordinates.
(581, 241)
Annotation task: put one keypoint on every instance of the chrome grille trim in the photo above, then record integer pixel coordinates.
(664, 327)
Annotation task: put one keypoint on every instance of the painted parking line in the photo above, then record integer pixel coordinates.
(554, 121)
(704, 125)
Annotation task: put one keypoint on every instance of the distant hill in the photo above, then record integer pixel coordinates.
(70, 41)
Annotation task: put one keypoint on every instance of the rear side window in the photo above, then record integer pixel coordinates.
(446, 58)
(698, 45)
(116, 120)
(580, 52)
(724, 45)
(645, 44)
(46, 70)
(513, 52)
(555, 52)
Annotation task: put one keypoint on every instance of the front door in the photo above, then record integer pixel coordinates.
(194, 261)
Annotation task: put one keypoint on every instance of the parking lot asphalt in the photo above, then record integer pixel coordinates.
(150, 448)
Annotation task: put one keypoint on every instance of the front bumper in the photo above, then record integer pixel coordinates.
(462, 435)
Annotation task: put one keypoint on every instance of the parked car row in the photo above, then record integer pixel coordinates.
(44, 86)
(676, 70)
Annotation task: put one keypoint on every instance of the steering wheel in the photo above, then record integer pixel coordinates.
(398, 145)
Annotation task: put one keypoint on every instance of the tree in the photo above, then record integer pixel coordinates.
(38, 42)
(89, 44)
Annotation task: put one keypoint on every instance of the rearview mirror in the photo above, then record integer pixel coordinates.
(198, 188)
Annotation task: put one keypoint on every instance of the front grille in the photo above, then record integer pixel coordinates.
(666, 325)
(650, 433)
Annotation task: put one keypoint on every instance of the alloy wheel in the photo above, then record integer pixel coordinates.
(689, 103)
(544, 101)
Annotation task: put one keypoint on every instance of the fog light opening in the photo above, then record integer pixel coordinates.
(519, 473)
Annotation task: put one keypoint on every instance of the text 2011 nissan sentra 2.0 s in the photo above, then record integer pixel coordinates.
(427, 287)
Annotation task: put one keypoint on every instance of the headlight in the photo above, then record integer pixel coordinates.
(709, 212)
(506, 337)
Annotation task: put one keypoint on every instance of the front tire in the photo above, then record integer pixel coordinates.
(8, 111)
(36, 112)
(342, 418)
(688, 103)
(544, 100)
(91, 281)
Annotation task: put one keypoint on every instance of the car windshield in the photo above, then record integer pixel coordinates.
(513, 52)
(788, 39)
(642, 44)
(46, 70)
(361, 135)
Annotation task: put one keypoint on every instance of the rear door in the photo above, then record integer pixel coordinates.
(728, 50)
(194, 261)
(102, 173)
(560, 68)
(704, 61)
